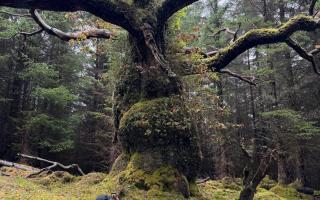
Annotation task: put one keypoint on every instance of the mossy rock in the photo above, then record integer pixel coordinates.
(92, 178)
(267, 183)
(287, 192)
(56, 177)
(163, 128)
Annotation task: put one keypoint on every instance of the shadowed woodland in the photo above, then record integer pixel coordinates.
(160, 99)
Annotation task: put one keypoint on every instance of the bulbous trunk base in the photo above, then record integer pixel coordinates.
(162, 127)
(146, 172)
(161, 148)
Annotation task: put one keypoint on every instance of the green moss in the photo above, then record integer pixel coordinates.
(194, 189)
(162, 128)
(56, 177)
(264, 194)
(120, 164)
(267, 183)
(289, 193)
(13, 188)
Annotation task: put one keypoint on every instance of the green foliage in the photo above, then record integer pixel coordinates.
(51, 134)
(40, 73)
(60, 96)
(293, 122)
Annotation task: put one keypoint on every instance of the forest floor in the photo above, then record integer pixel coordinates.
(63, 186)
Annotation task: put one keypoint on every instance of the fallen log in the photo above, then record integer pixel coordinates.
(16, 165)
(52, 166)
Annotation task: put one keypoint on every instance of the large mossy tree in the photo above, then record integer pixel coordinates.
(152, 121)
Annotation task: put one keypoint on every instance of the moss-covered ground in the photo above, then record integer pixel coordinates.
(63, 186)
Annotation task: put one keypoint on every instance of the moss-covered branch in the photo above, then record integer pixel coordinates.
(264, 36)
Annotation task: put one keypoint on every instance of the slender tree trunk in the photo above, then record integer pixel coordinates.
(301, 175)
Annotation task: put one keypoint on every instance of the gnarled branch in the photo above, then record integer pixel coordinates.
(116, 12)
(90, 33)
(260, 37)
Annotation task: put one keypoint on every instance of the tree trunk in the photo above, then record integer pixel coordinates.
(253, 176)
(301, 174)
(154, 127)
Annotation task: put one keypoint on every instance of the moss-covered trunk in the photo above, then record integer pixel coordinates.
(161, 148)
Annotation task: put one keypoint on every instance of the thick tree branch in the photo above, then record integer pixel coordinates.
(170, 7)
(115, 12)
(90, 33)
(50, 5)
(260, 37)
(238, 76)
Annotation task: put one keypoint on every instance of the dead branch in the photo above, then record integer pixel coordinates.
(309, 56)
(16, 165)
(52, 166)
(245, 151)
(203, 180)
(312, 7)
(90, 33)
(242, 78)
(15, 14)
(229, 31)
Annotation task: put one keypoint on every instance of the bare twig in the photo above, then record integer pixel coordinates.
(31, 33)
(229, 31)
(309, 56)
(242, 78)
